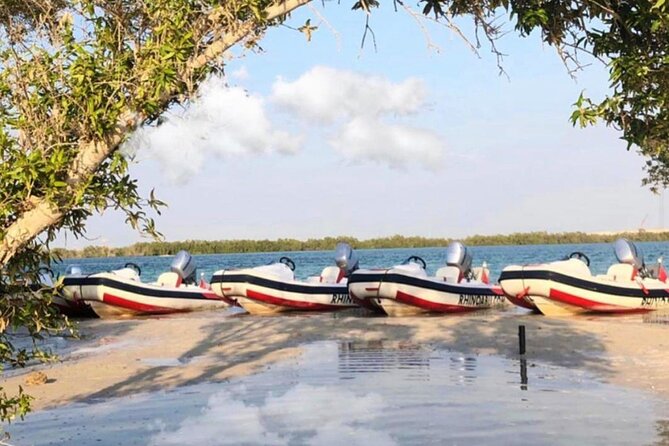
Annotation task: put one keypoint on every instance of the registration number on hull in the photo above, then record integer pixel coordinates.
(655, 302)
(341, 299)
(480, 300)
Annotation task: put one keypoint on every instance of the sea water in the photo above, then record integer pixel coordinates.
(309, 263)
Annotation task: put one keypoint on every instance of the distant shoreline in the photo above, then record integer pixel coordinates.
(327, 243)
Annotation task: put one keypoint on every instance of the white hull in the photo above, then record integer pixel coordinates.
(399, 293)
(565, 288)
(260, 292)
(114, 296)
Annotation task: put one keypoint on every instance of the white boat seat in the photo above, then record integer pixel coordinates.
(126, 273)
(572, 267)
(449, 274)
(169, 279)
(332, 274)
(274, 270)
(621, 272)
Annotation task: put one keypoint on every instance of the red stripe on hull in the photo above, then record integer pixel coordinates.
(591, 305)
(521, 303)
(497, 290)
(432, 306)
(296, 304)
(214, 296)
(137, 306)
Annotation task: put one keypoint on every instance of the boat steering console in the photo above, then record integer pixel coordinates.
(418, 260)
(580, 256)
(133, 266)
(288, 262)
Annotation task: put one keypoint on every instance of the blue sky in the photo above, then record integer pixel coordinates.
(509, 160)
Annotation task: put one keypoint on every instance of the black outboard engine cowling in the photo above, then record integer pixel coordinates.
(458, 255)
(627, 252)
(346, 258)
(184, 265)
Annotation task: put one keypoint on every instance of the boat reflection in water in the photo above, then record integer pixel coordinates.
(377, 392)
(383, 357)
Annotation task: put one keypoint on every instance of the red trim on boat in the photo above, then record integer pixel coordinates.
(429, 305)
(214, 296)
(497, 290)
(136, 306)
(372, 289)
(521, 303)
(301, 305)
(591, 305)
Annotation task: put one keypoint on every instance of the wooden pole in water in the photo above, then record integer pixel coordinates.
(521, 339)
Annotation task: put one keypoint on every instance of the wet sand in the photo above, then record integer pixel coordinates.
(125, 357)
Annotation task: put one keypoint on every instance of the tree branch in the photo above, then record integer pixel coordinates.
(91, 154)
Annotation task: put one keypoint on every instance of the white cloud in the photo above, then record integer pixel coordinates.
(321, 415)
(221, 121)
(360, 113)
(395, 145)
(359, 107)
(326, 94)
(240, 73)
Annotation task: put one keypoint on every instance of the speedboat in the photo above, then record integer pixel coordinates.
(567, 286)
(273, 288)
(121, 292)
(406, 289)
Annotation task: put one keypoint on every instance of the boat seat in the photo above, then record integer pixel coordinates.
(620, 272)
(332, 274)
(449, 274)
(169, 279)
(126, 273)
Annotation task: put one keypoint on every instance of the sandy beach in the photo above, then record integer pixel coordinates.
(123, 357)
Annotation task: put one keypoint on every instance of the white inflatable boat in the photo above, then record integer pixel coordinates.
(121, 292)
(406, 289)
(567, 286)
(273, 288)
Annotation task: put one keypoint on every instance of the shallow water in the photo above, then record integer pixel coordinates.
(372, 393)
(312, 263)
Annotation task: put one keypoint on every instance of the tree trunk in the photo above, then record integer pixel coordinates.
(91, 154)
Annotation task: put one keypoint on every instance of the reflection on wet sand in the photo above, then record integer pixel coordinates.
(656, 317)
(374, 392)
(383, 357)
(414, 359)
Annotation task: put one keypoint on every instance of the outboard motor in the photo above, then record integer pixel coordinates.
(627, 252)
(459, 256)
(345, 258)
(184, 265)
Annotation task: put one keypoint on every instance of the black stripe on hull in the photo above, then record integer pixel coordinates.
(584, 284)
(402, 279)
(278, 285)
(124, 286)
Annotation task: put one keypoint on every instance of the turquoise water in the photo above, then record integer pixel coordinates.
(312, 262)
